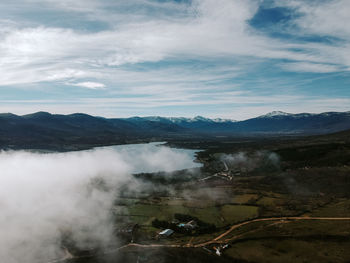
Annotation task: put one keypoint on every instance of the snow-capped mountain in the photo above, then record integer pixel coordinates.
(274, 122)
(183, 119)
(275, 114)
(44, 128)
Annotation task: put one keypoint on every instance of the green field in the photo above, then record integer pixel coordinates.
(339, 208)
(290, 250)
(235, 213)
(144, 214)
(295, 241)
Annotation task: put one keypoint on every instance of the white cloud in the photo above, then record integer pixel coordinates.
(327, 20)
(90, 85)
(310, 67)
(213, 29)
(215, 33)
(324, 18)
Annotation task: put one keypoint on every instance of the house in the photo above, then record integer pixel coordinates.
(219, 249)
(127, 231)
(189, 225)
(166, 233)
(175, 221)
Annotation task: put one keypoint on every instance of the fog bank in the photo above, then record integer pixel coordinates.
(43, 196)
(248, 162)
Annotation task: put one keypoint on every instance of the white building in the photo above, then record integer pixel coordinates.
(166, 233)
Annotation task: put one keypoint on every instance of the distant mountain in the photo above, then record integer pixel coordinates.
(177, 120)
(198, 123)
(276, 122)
(303, 123)
(43, 130)
(274, 114)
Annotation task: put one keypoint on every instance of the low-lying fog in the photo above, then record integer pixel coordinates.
(43, 196)
(153, 157)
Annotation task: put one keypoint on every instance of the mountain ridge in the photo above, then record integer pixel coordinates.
(42, 128)
(155, 117)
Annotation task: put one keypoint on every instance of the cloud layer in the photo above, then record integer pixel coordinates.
(182, 51)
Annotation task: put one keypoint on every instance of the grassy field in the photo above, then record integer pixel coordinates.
(339, 208)
(292, 241)
(290, 250)
(219, 215)
(235, 213)
(244, 198)
(311, 179)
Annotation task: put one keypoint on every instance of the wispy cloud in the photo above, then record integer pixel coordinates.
(90, 85)
(185, 49)
(309, 67)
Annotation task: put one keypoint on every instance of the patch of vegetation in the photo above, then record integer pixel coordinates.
(236, 213)
(295, 241)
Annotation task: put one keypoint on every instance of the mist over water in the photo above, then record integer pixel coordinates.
(44, 196)
(154, 157)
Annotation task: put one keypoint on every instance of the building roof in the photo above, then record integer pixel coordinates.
(166, 232)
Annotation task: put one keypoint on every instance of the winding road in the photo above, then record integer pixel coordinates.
(215, 240)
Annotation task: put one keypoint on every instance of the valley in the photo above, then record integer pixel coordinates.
(276, 204)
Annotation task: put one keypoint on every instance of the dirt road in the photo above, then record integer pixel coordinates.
(217, 239)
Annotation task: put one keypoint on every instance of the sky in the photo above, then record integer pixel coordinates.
(215, 58)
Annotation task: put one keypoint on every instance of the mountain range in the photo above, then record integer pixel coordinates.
(273, 123)
(38, 130)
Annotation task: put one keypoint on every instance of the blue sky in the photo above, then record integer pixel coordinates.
(217, 58)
